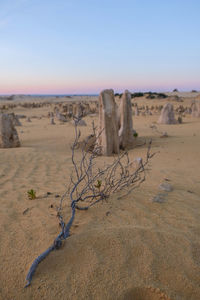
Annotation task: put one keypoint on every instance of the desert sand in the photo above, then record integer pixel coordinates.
(128, 247)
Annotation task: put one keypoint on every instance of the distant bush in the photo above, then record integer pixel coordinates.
(151, 96)
(12, 97)
(175, 90)
(134, 95)
(161, 95)
(194, 91)
(118, 95)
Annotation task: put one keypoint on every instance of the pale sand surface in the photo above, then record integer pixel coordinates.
(139, 250)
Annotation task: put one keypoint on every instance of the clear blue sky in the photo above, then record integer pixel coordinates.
(84, 46)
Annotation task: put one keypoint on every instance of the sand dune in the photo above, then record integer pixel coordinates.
(124, 248)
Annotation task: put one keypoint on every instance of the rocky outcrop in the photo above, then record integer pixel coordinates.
(79, 110)
(61, 117)
(52, 121)
(79, 122)
(167, 115)
(15, 120)
(8, 134)
(196, 109)
(136, 111)
(108, 140)
(125, 120)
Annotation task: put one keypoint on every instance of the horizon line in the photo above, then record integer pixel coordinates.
(97, 93)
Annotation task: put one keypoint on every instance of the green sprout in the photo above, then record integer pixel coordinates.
(135, 134)
(31, 194)
(98, 185)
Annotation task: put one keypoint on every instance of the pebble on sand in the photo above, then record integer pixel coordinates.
(167, 187)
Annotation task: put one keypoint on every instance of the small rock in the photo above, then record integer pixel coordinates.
(57, 196)
(52, 121)
(79, 123)
(138, 161)
(160, 198)
(153, 126)
(180, 120)
(164, 135)
(21, 116)
(25, 211)
(167, 179)
(191, 192)
(166, 187)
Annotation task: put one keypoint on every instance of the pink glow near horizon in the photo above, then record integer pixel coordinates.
(82, 89)
(61, 85)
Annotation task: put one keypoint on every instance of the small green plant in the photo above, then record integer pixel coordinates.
(31, 194)
(135, 134)
(98, 185)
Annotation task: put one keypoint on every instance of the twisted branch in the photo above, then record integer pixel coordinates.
(92, 185)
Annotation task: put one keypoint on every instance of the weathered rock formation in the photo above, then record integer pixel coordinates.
(136, 111)
(74, 109)
(78, 112)
(188, 110)
(8, 134)
(196, 109)
(88, 144)
(70, 109)
(108, 140)
(125, 121)
(60, 117)
(28, 119)
(15, 120)
(197, 98)
(79, 122)
(167, 115)
(52, 121)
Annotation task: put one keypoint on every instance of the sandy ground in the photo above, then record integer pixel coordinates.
(125, 248)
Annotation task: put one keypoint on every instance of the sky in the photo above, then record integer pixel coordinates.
(85, 46)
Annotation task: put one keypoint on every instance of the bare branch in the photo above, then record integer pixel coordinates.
(93, 184)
